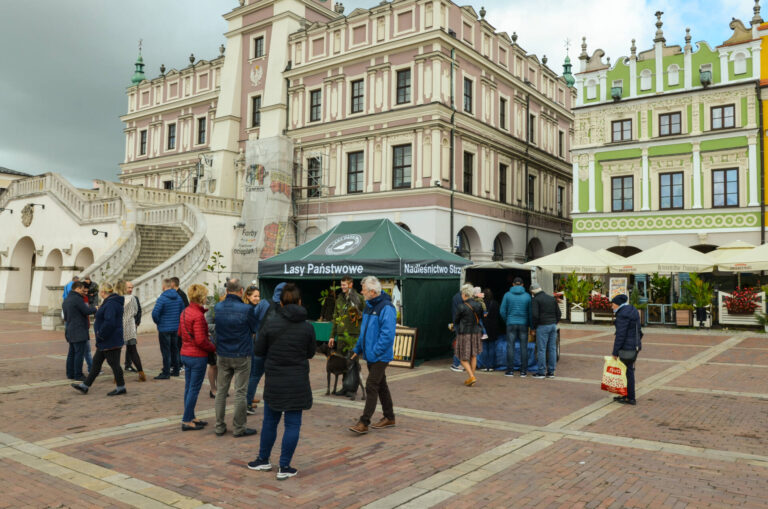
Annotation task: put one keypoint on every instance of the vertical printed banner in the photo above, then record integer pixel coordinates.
(267, 205)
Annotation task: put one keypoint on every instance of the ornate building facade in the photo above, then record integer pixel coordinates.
(667, 144)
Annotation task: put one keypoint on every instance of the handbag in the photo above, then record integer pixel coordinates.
(628, 355)
(614, 376)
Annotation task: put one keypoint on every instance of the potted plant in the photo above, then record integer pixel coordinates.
(743, 301)
(683, 314)
(577, 292)
(700, 292)
(600, 306)
(634, 299)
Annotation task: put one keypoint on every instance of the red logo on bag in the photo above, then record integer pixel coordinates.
(613, 370)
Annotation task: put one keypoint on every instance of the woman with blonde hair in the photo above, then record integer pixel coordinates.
(252, 297)
(195, 347)
(108, 327)
(468, 343)
(130, 310)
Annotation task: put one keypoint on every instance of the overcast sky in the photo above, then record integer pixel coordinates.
(64, 65)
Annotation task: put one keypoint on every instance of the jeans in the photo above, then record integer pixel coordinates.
(238, 368)
(290, 435)
(87, 355)
(546, 348)
(517, 333)
(194, 374)
(75, 360)
(169, 349)
(257, 370)
(630, 379)
(376, 389)
(113, 359)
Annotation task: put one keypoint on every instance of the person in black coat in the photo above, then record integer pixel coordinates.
(628, 342)
(287, 342)
(108, 328)
(468, 318)
(77, 325)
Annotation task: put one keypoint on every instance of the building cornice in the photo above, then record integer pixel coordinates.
(666, 140)
(170, 106)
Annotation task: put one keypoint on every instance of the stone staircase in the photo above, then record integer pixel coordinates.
(158, 243)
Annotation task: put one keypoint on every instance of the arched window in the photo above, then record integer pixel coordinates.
(645, 79)
(591, 89)
(498, 250)
(739, 63)
(463, 248)
(673, 75)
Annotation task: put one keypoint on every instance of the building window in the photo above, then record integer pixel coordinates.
(355, 172)
(168, 184)
(358, 90)
(201, 125)
(315, 105)
(673, 75)
(669, 124)
(171, 136)
(404, 86)
(531, 203)
(468, 162)
(314, 177)
(622, 194)
(468, 95)
(256, 111)
(671, 190)
(143, 142)
(532, 128)
(503, 113)
(645, 79)
(401, 166)
(621, 130)
(725, 188)
(560, 200)
(503, 183)
(723, 117)
(258, 47)
(561, 143)
(591, 89)
(739, 63)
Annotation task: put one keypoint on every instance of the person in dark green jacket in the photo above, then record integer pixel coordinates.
(347, 313)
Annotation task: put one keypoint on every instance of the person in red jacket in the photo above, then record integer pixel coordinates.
(195, 346)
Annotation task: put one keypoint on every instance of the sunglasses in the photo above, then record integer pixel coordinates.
(252, 288)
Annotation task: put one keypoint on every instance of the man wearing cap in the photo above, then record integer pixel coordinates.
(627, 343)
(545, 313)
(516, 312)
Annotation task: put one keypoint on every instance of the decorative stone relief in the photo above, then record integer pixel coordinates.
(256, 74)
(667, 222)
(27, 214)
(623, 166)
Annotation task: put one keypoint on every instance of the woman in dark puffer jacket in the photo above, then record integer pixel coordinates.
(287, 342)
(195, 347)
(108, 327)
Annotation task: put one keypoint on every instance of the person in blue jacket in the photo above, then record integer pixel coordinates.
(375, 343)
(166, 314)
(628, 342)
(108, 329)
(516, 313)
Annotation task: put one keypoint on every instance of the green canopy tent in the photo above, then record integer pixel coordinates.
(429, 276)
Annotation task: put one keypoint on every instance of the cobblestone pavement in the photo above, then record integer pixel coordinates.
(695, 439)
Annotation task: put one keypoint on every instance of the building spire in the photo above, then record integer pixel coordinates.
(567, 74)
(756, 19)
(659, 32)
(138, 75)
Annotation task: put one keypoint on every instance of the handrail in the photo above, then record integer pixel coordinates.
(206, 203)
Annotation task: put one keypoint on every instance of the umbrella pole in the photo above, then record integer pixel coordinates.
(738, 280)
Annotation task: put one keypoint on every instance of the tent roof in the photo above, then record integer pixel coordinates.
(669, 257)
(359, 248)
(576, 259)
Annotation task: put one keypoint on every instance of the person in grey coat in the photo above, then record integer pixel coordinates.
(76, 313)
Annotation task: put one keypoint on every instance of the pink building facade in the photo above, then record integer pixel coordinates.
(414, 110)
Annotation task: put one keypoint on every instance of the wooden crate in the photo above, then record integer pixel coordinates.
(405, 347)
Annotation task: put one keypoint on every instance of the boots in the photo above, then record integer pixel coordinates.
(142, 377)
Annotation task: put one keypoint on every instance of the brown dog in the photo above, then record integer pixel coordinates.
(338, 365)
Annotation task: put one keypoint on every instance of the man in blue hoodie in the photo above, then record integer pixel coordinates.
(516, 312)
(375, 343)
(166, 314)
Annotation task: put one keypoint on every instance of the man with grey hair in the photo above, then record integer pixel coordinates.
(377, 337)
(235, 327)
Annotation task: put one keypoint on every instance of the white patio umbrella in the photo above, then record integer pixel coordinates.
(728, 251)
(573, 259)
(751, 260)
(668, 258)
(610, 257)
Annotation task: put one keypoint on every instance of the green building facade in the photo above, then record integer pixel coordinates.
(666, 144)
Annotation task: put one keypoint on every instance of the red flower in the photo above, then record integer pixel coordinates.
(742, 301)
(599, 302)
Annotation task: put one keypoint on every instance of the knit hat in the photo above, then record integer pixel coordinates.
(517, 281)
(278, 292)
(619, 300)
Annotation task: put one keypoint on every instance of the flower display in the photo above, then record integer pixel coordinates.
(599, 302)
(743, 301)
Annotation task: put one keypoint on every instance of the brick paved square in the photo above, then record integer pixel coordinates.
(572, 473)
(724, 378)
(758, 342)
(744, 356)
(650, 350)
(591, 368)
(27, 371)
(714, 421)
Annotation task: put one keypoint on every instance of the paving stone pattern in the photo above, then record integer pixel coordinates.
(695, 439)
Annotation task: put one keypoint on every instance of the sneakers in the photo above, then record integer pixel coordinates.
(284, 473)
(539, 376)
(250, 410)
(360, 428)
(162, 377)
(117, 391)
(457, 369)
(627, 401)
(81, 387)
(384, 423)
(260, 464)
(523, 374)
(509, 374)
(550, 375)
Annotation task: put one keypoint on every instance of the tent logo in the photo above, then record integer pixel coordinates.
(343, 245)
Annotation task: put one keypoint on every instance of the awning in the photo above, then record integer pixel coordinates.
(751, 260)
(669, 257)
(573, 259)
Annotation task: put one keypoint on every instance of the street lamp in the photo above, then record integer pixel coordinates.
(37, 205)
(3, 209)
(95, 232)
